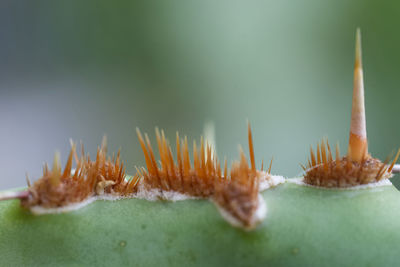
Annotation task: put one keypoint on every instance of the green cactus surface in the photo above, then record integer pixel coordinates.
(305, 226)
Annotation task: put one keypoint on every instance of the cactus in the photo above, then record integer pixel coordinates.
(184, 212)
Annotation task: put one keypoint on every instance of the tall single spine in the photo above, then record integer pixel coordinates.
(358, 145)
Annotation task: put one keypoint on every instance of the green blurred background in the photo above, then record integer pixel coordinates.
(82, 69)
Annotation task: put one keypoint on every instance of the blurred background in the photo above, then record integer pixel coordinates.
(82, 69)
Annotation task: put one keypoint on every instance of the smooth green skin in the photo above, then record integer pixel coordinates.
(304, 227)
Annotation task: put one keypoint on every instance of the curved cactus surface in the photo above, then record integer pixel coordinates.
(305, 226)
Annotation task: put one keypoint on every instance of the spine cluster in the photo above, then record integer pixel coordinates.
(322, 170)
(235, 191)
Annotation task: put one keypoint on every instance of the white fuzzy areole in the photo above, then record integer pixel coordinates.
(156, 194)
(258, 217)
(268, 181)
(150, 195)
(38, 210)
(300, 181)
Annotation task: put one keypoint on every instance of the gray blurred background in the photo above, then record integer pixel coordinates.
(82, 69)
